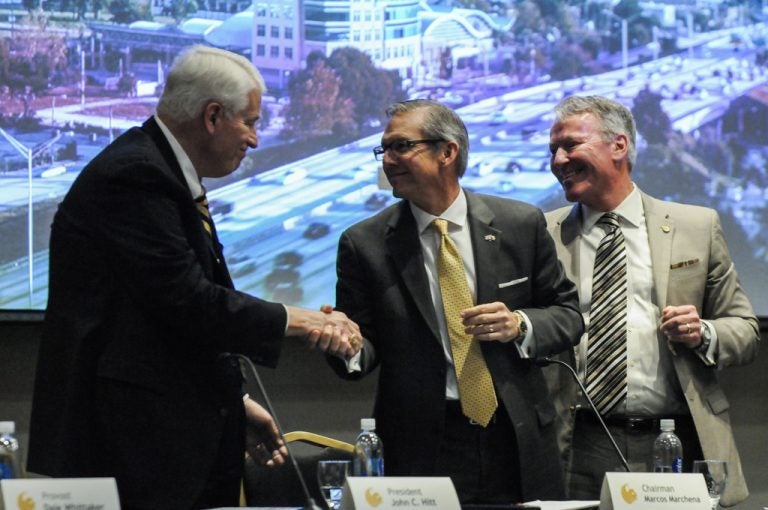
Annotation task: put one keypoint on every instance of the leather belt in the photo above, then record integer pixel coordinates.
(629, 423)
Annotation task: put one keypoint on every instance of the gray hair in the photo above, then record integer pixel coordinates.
(440, 123)
(615, 118)
(202, 74)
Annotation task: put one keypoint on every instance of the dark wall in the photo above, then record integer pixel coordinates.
(308, 396)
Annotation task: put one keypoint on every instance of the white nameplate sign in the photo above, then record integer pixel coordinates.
(388, 492)
(654, 491)
(60, 494)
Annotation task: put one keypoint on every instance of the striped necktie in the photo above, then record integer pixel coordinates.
(201, 203)
(607, 337)
(476, 393)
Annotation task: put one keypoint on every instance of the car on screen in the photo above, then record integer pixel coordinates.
(316, 230)
(376, 201)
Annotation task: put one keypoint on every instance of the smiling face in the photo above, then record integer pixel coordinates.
(424, 174)
(592, 170)
(232, 136)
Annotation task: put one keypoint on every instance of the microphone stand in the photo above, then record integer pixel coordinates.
(546, 361)
(310, 502)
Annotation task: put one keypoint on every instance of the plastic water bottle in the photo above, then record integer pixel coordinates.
(369, 451)
(667, 450)
(9, 451)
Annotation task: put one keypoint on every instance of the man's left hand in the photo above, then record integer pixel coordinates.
(491, 321)
(681, 324)
(263, 441)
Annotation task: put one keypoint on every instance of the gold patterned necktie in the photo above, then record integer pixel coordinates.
(201, 203)
(478, 398)
(607, 337)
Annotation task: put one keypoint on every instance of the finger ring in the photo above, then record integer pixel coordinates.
(354, 341)
(490, 329)
(687, 327)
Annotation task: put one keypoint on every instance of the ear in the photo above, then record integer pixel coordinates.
(449, 153)
(212, 114)
(620, 147)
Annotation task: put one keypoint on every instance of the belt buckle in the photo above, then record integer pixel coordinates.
(640, 424)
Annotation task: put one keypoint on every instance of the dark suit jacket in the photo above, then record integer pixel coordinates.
(140, 305)
(382, 285)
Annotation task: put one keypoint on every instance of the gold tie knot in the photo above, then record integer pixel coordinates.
(441, 225)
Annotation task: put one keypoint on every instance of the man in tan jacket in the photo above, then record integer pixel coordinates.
(681, 314)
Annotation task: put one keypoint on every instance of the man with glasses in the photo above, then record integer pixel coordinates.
(459, 394)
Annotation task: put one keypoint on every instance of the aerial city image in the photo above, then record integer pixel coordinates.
(75, 74)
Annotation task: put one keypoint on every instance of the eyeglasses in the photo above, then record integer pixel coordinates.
(399, 147)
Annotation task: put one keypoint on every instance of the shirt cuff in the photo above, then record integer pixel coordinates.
(708, 357)
(287, 320)
(353, 363)
(527, 345)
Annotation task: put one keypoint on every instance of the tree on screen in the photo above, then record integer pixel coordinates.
(370, 89)
(652, 122)
(127, 11)
(316, 106)
(32, 59)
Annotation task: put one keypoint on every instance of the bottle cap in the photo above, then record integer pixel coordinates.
(7, 427)
(368, 423)
(667, 424)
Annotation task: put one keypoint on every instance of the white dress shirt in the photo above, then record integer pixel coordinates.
(652, 387)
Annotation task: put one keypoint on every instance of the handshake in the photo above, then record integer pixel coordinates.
(328, 330)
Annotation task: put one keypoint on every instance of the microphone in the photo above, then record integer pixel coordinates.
(547, 361)
(310, 503)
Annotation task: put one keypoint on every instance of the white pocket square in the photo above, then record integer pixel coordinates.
(513, 282)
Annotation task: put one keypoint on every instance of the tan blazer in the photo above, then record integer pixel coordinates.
(679, 233)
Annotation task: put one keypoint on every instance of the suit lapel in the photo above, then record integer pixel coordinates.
(213, 248)
(404, 247)
(485, 247)
(568, 232)
(661, 228)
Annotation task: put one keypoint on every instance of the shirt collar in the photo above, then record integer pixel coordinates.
(187, 168)
(456, 214)
(630, 211)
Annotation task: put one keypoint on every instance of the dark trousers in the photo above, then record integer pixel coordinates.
(482, 462)
(592, 454)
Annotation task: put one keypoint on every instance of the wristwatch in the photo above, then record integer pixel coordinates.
(706, 339)
(522, 326)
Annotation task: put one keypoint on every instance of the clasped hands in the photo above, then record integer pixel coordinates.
(491, 321)
(681, 324)
(327, 330)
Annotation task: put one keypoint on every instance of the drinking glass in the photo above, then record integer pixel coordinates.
(330, 476)
(715, 474)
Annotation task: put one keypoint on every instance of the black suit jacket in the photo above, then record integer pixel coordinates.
(382, 285)
(129, 381)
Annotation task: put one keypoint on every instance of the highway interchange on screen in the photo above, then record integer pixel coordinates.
(280, 228)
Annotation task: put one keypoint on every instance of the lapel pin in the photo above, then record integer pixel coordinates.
(665, 229)
(490, 237)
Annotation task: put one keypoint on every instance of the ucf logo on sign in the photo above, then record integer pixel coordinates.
(654, 491)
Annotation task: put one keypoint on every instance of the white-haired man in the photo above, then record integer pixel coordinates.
(131, 381)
